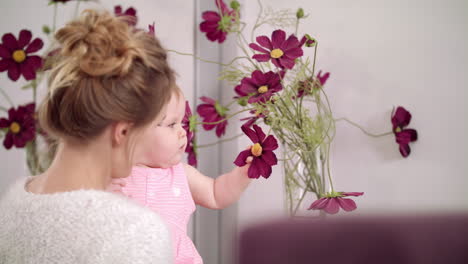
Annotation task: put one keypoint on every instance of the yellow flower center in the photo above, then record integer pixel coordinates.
(262, 89)
(256, 149)
(15, 128)
(276, 53)
(19, 56)
(398, 130)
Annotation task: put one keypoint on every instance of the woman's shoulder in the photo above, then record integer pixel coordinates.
(84, 215)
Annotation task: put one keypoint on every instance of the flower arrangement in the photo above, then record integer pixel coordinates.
(280, 88)
(274, 85)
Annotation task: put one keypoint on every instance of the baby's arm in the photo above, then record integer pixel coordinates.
(218, 193)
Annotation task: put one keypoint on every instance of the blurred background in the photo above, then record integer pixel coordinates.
(380, 54)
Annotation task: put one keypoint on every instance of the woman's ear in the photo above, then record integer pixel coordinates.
(121, 131)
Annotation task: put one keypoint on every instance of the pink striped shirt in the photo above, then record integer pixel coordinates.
(167, 192)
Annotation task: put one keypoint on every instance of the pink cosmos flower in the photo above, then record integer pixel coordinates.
(189, 124)
(16, 55)
(21, 126)
(130, 13)
(261, 151)
(280, 50)
(332, 202)
(252, 119)
(307, 86)
(151, 30)
(217, 25)
(260, 87)
(212, 112)
(400, 119)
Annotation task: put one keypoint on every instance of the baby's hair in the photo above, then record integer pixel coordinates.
(106, 72)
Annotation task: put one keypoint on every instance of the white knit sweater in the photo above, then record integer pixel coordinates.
(85, 226)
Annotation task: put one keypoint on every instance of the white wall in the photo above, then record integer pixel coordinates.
(380, 54)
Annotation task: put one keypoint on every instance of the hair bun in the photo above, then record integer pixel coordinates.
(98, 44)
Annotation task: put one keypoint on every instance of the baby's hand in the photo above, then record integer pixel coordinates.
(116, 186)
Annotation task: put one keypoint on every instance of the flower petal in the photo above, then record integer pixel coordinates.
(211, 16)
(5, 64)
(24, 38)
(270, 143)
(318, 204)
(290, 43)
(265, 42)
(221, 128)
(352, 193)
(4, 123)
(34, 61)
(332, 206)
(405, 150)
(10, 42)
(261, 57)
(253, 171)
(14, 72)
(269, 157)
(286, 63)
(401, 118)
(259, 131)
(8, 141)
(240, 160)
(35, 45)
(258, 48)
(277, 38)
(27, 71)
(250, 133)
(4, 52)
(347, 204)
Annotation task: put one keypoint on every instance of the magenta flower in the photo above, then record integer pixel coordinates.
(261, 86)
(16, 55)
(20, 125)
(280, 50)
(212, 112)
(151, 30)
(400, 119)
(332, 202)
(308, 41)
(217, 25)
(311, 83)
(192, 153)
(130, 14)
(261, 151)
(252, 119)
(188, 123)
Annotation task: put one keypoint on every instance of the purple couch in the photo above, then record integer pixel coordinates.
(415, 239)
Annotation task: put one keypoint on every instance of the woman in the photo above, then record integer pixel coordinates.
(109, 83)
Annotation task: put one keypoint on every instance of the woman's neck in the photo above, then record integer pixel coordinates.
(76, 167)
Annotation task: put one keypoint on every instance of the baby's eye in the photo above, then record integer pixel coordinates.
(172, 125)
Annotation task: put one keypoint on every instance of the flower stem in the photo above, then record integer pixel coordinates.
(209, 61)
(7, 97)
(77, 7)
(55, 18)
(3, 109)
(219, 141)
(222, 120)
(362, 129)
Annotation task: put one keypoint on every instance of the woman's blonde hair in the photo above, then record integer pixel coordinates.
(106, 71)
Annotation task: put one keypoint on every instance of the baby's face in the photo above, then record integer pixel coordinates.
(163, 143)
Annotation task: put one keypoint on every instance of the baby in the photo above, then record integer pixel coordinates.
(163, 183)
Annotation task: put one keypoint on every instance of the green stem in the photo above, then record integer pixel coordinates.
(3, 109)
(222, 120)
(55, 18)
(362, 129)
(77, 7)
(328, 167)
(209, 61)
(7, 97)
(256, 22)
(219, 141)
